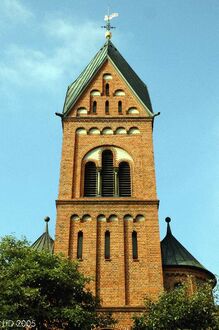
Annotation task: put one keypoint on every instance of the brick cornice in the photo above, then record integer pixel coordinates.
(106, 201)
(107, 119)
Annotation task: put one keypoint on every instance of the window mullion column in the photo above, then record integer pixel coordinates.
(116, 182)
(99, 183)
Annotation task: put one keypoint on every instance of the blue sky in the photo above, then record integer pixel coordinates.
(172, 45)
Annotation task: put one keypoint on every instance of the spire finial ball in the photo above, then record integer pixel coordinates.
(108, 35)
(167, 219)
(46, 219)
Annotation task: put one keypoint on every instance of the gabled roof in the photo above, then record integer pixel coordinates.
(45, 241)
(108, 51)
(175, 254)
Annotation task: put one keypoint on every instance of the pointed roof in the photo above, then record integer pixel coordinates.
(108, 51)
(175, 254)
(45, 241)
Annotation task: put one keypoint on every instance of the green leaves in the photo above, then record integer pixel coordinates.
(45, 288)
(176, 310)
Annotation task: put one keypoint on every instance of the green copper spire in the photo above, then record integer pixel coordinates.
(45, 241)
(111, 53)
(174, 254)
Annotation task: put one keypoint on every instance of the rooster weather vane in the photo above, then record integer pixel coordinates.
(108, 26)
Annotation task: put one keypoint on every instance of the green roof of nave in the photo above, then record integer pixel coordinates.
(108, 51)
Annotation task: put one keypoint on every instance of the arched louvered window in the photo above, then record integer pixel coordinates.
(134, 245)
(107, 107)
(107, 89)
(90, 180)
(124, 180)
(120, 107)
(107, 174)
(94, 109)
(107, 244)
(80, 245)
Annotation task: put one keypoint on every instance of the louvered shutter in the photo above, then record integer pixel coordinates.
(90, 180)
(124, 180)
(107, 174)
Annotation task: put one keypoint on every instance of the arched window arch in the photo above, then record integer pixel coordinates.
(100, 177)
(120, 107)
(90, 180)
(134, 245)
(107, 107)
(124, 180)
(107, 174)
(107, 89)
(95, 92)
(94, 107)
(107, 245)
(80, 245)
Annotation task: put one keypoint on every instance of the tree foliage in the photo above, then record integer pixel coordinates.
(176, 310)
(45, 288)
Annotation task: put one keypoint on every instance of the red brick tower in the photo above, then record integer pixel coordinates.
(107, 208)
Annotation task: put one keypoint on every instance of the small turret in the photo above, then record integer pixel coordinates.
(45, 241)
(179, 264)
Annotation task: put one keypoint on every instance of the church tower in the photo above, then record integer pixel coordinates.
(107, 208)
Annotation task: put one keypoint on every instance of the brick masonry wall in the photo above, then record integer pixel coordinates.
(191, 276)
(120, 281)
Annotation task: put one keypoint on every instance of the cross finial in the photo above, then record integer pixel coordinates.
(108, 26)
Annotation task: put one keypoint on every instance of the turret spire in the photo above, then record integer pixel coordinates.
(168, 220)
(46, 219)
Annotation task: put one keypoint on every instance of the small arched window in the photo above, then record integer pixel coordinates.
(107, 245)
(134, 245)
(124, 180)
(107, 89)
(94, 108)
(107, 107)
(120, 107)
(90, 180)
(107, 174)
(80, 245)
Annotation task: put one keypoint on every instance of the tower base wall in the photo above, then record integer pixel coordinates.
(123, 316)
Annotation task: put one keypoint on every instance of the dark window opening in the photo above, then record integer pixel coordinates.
(80, 245)
(177, 285)
(90, 180)
(124, 180)
(94, 107)
(134, 245)
(107, 174)
(107, 89)
(107, 107)
(107, 245)
(120, 107)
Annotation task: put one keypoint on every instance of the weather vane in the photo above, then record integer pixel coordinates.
(108, 26)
